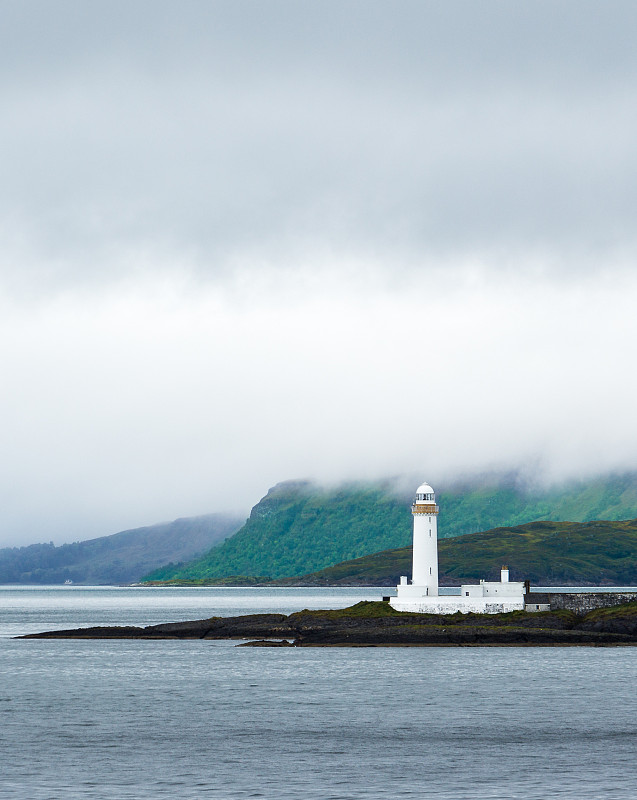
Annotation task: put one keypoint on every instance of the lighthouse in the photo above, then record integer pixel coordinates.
(421, 595)
(425, 548)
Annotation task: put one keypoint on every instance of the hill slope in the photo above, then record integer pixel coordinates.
(120, 558)
(295, 525)
(299, 527)
(546, 553)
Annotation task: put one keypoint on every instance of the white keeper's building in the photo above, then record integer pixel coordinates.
(486, 597)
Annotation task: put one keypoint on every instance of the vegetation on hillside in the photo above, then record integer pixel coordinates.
(546, 553)
(297, 525)
(298, 528)
(549, 553)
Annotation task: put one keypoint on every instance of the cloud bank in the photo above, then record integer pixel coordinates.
(243, 242)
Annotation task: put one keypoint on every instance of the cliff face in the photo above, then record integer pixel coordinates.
(298, 527)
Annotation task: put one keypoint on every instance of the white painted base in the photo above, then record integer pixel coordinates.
(486, 597)
(453, 604)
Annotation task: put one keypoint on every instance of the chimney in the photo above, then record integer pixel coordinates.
(504, 575)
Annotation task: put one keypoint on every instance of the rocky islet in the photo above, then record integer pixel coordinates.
(377, 624)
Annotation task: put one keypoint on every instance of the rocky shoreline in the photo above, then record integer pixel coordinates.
(369, 624)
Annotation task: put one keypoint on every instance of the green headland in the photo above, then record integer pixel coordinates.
(583, 533)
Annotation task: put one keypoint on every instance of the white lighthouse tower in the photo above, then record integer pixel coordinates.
(425, 551)
(421, 594)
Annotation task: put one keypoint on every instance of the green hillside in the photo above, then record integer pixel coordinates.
(120, 558)
(546, 553)
(298, 527)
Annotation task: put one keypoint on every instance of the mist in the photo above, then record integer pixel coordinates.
(242, 243)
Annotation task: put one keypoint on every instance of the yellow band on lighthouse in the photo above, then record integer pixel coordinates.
(424, 508)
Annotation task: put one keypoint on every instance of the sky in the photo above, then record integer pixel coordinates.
(243, 242)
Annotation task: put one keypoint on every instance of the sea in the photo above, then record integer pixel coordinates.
(132, 720)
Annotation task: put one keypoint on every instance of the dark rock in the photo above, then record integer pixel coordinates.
(267, 643)
(377, 624)
(128, 632)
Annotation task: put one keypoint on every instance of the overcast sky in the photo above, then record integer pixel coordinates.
(242, 242)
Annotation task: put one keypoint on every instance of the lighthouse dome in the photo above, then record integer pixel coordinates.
(424, 493)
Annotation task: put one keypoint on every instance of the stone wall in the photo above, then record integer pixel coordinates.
(582, 602)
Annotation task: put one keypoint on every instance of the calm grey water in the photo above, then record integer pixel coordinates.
(30, 609)
(207, 719)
